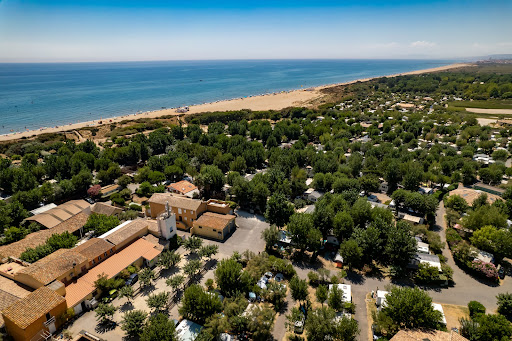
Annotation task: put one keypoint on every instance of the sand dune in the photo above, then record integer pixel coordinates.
(275, 101)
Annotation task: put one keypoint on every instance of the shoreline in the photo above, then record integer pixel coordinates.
(271, 101)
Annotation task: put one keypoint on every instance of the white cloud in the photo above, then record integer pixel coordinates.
(422, 44)
(387, 45)
(507, 44)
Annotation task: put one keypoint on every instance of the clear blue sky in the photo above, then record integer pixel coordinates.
(119, 30)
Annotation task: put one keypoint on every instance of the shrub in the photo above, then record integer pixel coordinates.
(313, 277)
(475, 308)
(135, 207)
(487, 269)
(453, 237)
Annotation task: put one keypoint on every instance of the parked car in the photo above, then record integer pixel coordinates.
(111, 295)
(132, 279)
(501, 272)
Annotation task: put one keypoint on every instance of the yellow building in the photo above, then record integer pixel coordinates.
(108, 190)
(36, 316)
(63, 265)
(213, 225)
(186, 210)
(127, 232)
(95, 250)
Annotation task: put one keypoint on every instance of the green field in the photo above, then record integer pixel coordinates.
(490, 104)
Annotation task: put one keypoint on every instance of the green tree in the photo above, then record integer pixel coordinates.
(124, 181)
(271, 236)
(231, 279)
(343, 225)
(159, 301)
(208, 251)
(192, 244)
(133, 322)
(321, 294)
(335, 298)
(409, 308)
(487, 327)
(401, 246)
(259, 323)
(168, 259)
(100, 223)
(197, 304)
(192, 267)
(426, 274)
(482, 216)
(351, 252)
(275, 294)
(159, 327)
(322, 324)
(82, 181)
(210, 180)
(126, 291)
(175, 281)
(105, 312)
(299, 288)
(457, 203)
(146, 277)
(475, 308)
(298, 228)
(279, 210)
(505, 305)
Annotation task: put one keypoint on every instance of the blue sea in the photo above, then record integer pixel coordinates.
(50, 94)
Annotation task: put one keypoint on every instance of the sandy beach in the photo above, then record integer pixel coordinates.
(274, 101)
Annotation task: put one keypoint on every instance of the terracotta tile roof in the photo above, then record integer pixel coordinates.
(153, 227)
(93, 248)
(71, 225)
(102, 208)
(182, 186)
(13, 288)
(152, 239)
(6, 300)
(77, 291)
(57, 215)
(51, 267)
(214, 220)
(26, 311)
(427, 335)
(130, 229)
(176, 201)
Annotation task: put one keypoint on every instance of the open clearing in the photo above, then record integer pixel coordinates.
(453, 313)
(490, 111)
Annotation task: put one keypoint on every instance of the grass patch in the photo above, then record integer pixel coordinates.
(489, 104)
(453, 313)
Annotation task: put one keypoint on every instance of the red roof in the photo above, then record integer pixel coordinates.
(183, 186)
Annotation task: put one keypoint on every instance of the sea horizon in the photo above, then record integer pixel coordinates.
(35, 95)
